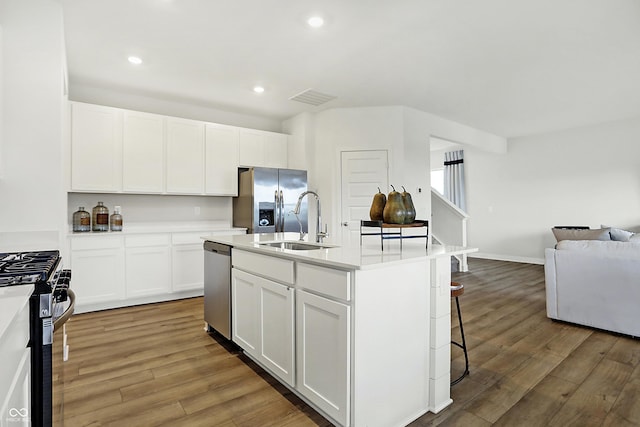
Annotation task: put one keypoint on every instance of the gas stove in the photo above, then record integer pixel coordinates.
(25, 268)
(49, 306)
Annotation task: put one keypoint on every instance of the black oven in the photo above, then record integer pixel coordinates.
(51, 302)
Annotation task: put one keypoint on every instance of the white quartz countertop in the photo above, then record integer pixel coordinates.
(166, 227)
(349, 255)
(12, 300)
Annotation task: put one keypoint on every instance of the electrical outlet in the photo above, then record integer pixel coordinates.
(196, 210)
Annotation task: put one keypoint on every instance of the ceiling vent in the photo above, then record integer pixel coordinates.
(312, 97)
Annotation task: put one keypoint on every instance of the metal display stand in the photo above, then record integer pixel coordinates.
(394, 234)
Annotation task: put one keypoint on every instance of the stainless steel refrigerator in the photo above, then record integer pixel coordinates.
(266, 197)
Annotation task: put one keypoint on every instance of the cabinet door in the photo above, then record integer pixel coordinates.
(221, 160)
(322, 332)
(143, 153)
(96, 148)
(98, 275)
(188, 267)
(148, 265)
(275, 150)
(244, 309)
(185, 156)
(17, 402)
(276, 329)
(251, 149)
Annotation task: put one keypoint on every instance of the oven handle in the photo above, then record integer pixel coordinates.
(68, 312)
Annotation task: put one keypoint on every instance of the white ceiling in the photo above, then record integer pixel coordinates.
(511, 67)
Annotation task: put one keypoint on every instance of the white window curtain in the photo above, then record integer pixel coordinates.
(454, 178)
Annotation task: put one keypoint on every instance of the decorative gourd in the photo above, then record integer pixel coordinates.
(394, 211)
(410, 210)
(377, 206)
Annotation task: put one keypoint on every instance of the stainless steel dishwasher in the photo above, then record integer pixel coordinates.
(217, 287)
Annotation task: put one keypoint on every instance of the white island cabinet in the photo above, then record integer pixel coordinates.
(263, 311)
(369, 330)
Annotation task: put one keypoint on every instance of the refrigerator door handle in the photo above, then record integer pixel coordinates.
(281, 211)
(276, 204)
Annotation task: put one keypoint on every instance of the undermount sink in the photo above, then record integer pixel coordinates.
(294, 246)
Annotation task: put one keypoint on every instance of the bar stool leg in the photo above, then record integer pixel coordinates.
(463, 346)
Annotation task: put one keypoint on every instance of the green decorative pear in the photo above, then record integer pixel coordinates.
(394, 211)
(377, 206)
(410, 210)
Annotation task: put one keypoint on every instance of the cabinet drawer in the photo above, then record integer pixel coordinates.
(95, 242)
(148, 240)
(325, 281)
(188, 238)
(266, 266)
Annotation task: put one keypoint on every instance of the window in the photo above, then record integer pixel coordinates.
(437, 180)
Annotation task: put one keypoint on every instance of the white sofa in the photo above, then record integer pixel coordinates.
(595, 283)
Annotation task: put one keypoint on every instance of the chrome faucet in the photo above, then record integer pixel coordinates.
(319, 234)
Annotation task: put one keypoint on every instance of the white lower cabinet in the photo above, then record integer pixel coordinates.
(15, 369)
(148, 265)
(322, 332)
(116, 270)
(98, 269)
(187, 262)
(244, 309)
(276, 304)
(263, 317)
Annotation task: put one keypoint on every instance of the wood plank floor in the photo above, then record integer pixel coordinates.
(154, 365)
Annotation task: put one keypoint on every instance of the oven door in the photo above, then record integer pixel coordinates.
(60, 354)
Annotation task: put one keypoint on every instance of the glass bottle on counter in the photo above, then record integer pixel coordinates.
(100, 217)
(81, 220)
(116, 219)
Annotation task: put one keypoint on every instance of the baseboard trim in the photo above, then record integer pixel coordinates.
(510, 258)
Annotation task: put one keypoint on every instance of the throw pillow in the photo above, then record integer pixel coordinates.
(620, 235)
(569, 234)
(635, 238)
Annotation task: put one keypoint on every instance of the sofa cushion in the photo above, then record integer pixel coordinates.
(572, 234)
(601, 249)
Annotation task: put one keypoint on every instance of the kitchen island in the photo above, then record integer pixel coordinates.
(362, 335)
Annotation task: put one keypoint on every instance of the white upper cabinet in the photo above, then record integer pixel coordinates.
(263, 149)
(185, 156)
(143, 153)
(115, 150)
(275, 153)
(96, 152)
(221, 160)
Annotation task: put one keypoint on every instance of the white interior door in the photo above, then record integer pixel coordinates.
(362, 172)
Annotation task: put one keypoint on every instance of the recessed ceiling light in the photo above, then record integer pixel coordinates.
(135, 60)
(315, 22)
(258, 89)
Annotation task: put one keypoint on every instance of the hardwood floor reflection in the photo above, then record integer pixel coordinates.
(155, 365)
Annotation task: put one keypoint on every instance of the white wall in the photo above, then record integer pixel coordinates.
(403, 131)
(585, 176)
(150, 104)
(345, 129)
(31, 186)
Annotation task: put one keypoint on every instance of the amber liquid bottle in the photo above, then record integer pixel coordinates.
(81, 220)
(115, 221)
(100, 217)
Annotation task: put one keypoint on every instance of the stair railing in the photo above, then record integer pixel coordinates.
(449, 225)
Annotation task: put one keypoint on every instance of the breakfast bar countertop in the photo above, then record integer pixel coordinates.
(349, 255)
